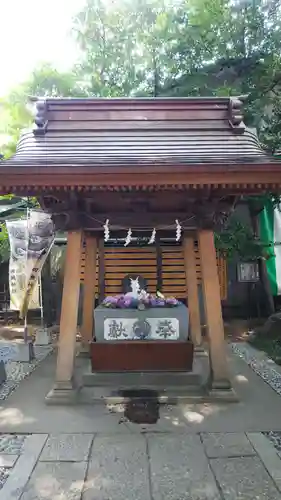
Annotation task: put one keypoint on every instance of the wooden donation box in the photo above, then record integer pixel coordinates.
(139, 340)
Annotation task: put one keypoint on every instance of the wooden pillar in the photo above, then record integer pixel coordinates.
(159, 265)
(192, 290)
(90, 279)
(212, 302)
(63, 390)
(101, 271)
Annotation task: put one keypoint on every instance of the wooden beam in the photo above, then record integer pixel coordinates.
(119, 220)
(69, 312)
(216, 174)
(159, 264)
(192, 290)
(90, 281)
(212, 301)
(101, 270)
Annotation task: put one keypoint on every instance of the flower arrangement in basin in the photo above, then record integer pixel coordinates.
(142, 300)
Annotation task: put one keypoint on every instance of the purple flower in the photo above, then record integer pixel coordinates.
(153, 301)
(121, 302)
(110, 301)
(160, 303)
(171, 301)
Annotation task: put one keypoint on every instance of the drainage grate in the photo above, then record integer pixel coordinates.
(141, 406)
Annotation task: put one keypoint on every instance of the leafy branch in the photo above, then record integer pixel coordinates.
(238, 241)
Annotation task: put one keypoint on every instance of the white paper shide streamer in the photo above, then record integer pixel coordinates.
(152, 237)
(128, 238)
(106, 230)
(178, 230)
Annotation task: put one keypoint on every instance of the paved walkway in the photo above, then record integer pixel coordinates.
(151, 466)
(195, 451)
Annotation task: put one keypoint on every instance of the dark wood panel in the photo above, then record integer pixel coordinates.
(176, 282)
(171, 268)
(127, 262)
(113, 282)
(173, 275)
(173, 290)
(149, 114)
(101, 270)
(130, 250)
(141, 356)
(138, 103)
(131, 256)
(137, 124)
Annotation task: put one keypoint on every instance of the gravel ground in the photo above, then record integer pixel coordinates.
(4, 474)
(11, 443)
(17, 371)
(271, 376)
(275, 438)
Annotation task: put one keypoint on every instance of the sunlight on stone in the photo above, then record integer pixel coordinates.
(241, 378)
(193, 417)
(208, 409)
(76, 485)
(197, 413)
(118, 408)
(46, 485)
(98, 481)
(13, 416)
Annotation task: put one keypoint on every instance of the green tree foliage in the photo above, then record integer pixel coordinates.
(169, 48)
(236, 240)
(184, 48)
(16, 109)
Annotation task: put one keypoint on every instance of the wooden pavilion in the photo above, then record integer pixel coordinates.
(141, 164)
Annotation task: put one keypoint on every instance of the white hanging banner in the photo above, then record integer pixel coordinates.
(17, 298)
(30, 242)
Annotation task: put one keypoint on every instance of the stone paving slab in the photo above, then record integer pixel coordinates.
(244, 478)
(180, 469)
(118, 469)
(67, 448)
(268, 455)
(56, 480)
(156, 466)
(21, 472)
(8, 461)
(231, 444)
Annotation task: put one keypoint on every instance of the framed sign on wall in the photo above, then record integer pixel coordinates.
(248, 272)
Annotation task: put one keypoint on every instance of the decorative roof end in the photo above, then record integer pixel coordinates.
(236, 114)
(40, 121)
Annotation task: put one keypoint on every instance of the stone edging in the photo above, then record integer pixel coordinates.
(17, 371)
(261, 367)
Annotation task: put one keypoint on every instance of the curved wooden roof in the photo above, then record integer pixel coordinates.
(119, 132)
(151, 143)
(115, 147)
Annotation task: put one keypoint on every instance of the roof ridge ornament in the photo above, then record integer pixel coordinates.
(40, 120)
(236, 116)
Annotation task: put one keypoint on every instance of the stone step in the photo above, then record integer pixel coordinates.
(142, 379)
(171, 395)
